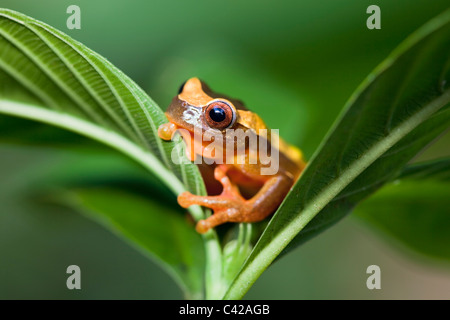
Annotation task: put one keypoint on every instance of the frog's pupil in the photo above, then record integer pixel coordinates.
(217, 114)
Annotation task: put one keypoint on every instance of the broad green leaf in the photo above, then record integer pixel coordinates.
(48, 77)
(396, 111)
(414, 209)
(151, 225)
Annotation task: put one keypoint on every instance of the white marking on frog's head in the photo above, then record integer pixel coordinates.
(192, 115)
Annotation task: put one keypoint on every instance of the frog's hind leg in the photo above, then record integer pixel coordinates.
(230, 206)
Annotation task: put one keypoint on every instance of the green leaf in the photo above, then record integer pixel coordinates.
(153, 226)
(115, 192)
(438, 170)
(396, 111)
(48, 77)
(414, 209)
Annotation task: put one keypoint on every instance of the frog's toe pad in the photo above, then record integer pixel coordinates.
(202, 226)
(186, 199)
(218, 218)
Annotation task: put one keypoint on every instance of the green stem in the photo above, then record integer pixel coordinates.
(214, 285)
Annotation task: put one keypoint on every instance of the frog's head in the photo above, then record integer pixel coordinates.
(197, 107)
(201, 115)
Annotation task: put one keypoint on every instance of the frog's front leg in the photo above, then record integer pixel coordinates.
(230, 206)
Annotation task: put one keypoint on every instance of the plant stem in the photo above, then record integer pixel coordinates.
(214, 285)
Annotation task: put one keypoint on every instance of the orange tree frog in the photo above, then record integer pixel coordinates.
(242, 185)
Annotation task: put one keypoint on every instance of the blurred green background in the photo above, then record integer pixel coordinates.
(293, 62)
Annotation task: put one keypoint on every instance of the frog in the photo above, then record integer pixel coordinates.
(238, 191)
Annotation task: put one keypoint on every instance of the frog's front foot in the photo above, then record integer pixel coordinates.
(224, 210)
(229, 206)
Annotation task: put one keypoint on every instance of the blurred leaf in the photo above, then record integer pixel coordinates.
(155, 227)
(397, 111)
(436, 170)
(118, 194)
(12, 131)
(415, 209)
(49, 77)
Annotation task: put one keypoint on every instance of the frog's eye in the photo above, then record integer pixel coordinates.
(220, 114)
